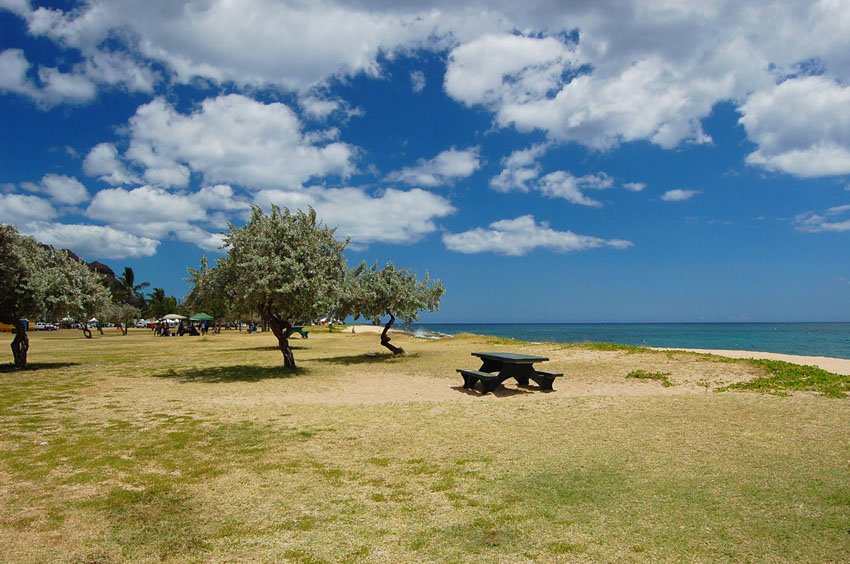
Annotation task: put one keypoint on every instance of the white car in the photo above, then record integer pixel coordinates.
(42, 326)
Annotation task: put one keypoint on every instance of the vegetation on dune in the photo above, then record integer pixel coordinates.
(783, 377)
(663, 377)
(609, 347)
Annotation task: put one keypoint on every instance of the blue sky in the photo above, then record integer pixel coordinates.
(588, 162)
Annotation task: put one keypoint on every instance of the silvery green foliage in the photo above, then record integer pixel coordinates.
(282, 264)
(206, 294)
(124, 314)
(372, 293)
(39, 281)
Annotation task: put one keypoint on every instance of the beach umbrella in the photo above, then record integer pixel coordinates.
(173, 316)
(202, 317)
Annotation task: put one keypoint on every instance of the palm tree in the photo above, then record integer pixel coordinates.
(130, 292)
(160, 304)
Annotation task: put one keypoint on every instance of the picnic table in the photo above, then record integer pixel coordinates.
(497, 367)
(300, 330)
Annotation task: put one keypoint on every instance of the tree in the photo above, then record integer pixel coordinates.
(124, 314)
(40, 281)
(206, 294)
(285, 266)
(373, 293)
(160, 304)
(128, 291)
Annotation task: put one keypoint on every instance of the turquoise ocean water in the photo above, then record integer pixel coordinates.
(813, 339)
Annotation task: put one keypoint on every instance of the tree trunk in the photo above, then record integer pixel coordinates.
(385, 339)
(125, 328)
(282, 329)
(20, 345)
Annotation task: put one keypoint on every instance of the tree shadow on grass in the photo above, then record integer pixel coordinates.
(368, 358)
(237, 373)
(32, 366)
(266, 348)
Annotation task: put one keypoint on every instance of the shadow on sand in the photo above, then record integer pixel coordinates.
(500, 392)
(368, 358)
(31, 366)
(237, 373)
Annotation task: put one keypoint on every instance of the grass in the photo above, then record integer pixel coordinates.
(608, 347)
(783, 377)
(145, 449)
(663, 377)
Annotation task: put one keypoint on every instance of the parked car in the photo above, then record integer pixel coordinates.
(141, 324)
(42, 326)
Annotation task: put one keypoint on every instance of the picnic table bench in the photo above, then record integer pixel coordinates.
(497, 367)
(300, 330)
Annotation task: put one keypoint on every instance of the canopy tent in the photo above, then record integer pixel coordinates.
(202, 317)
(173, 316)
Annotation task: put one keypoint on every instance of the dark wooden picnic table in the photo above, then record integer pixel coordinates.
(497, 367)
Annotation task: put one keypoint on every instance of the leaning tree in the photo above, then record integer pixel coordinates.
(288, 267)
(373, 293)
(40, 281)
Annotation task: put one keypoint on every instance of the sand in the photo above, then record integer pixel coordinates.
(835, 365)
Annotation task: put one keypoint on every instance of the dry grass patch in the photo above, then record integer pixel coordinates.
(182, 449)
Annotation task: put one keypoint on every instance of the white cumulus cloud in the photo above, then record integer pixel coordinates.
(561, 184)
(634, 186)
(79, 85)
(229, 139)
(519, 169)
(394, 216)
(104, 163)
(517, 237)
(678, 195)
(92, 241)
(61, 189)
(293, 44)
(155, 212)
(17, 209)
(497, 68)
(801, 126)
(442, 170)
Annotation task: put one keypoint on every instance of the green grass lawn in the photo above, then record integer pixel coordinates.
(139, 448)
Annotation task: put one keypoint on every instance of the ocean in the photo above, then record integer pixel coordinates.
(811, 339)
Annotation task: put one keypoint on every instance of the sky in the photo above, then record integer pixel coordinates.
(549, 161)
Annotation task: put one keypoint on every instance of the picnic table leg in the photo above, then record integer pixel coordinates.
(545, 384)
(519, 372)
(489, 386)
(490, 366)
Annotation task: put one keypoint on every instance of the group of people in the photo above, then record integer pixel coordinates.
(162, 329)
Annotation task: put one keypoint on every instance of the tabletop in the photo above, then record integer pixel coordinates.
(512, 358)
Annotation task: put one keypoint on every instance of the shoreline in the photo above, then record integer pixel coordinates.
(831, 364)
(828, 363)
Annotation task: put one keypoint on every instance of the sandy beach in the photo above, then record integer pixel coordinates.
(836, 365)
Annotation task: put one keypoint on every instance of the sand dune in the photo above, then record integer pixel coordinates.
(835, 365)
